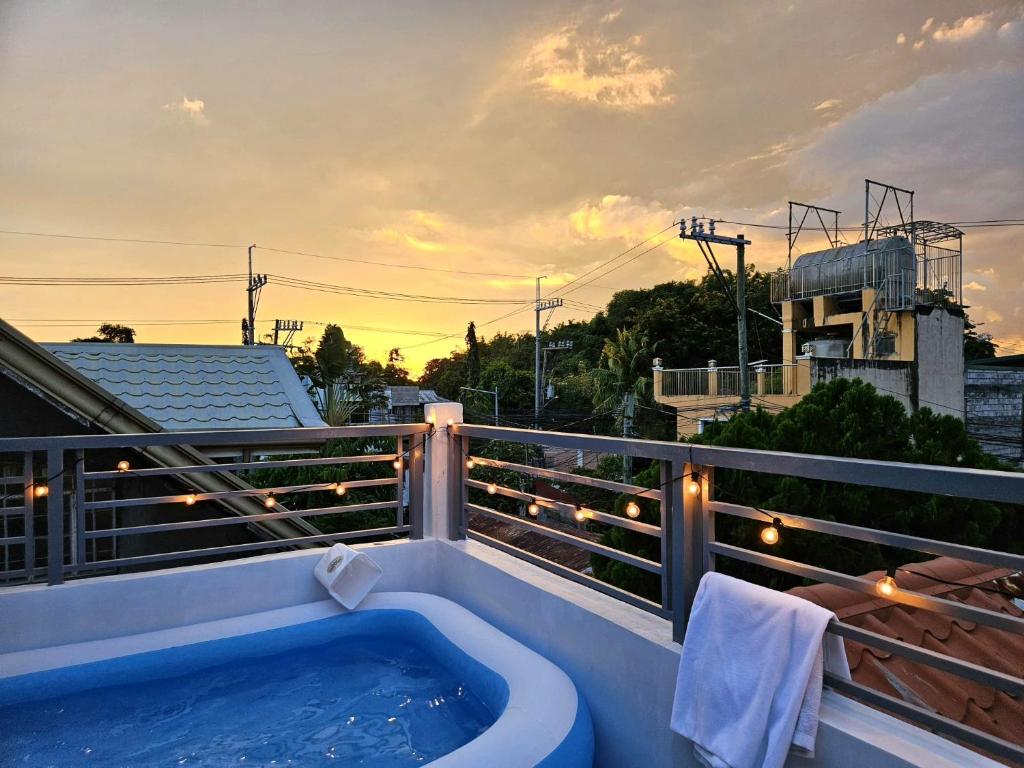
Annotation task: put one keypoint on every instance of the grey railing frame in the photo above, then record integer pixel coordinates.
(689, 546)
(71, 508)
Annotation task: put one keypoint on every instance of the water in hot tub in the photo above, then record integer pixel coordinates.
(363, 701)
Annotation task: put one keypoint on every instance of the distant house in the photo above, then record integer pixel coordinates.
(404, 405)
(994, 394)
(87, 389)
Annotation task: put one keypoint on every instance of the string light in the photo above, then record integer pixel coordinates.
(451, 422)
(269, 502)
(492, 488)
(397, 463)
(123, 466)
(190, 500)
(580, 514)
(633, 510)
(694, 486)
(340, 489)
(534, 508)
(470, 463)
(41, 491)
(770, 533)
(886, 586)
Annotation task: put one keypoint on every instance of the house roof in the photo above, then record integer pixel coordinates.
(979, 706)
(197, 387)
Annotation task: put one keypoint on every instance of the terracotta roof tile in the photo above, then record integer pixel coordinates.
(979, 706)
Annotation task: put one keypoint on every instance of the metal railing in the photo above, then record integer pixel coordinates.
(689, 546)
(161, 484)
(724, 381)
(58, 525)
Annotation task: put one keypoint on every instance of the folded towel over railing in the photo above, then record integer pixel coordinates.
(750, 675)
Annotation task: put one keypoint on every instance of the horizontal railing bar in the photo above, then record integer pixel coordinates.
(984, 675)
(590, 546)
(591, 514)
(123, 562)
(212, 522)
(12, 480)
(552, 474)
(867, 586)
(19, 510)
(568, 573)
(232, 437)
(181, 498)
(6, 542)
(926, 718)
(987, 484)
(875, 536)
(237, 466)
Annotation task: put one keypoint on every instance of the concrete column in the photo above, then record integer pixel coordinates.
(712, 378)
(438, 486)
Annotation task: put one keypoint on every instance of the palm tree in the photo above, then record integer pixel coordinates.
(621, 381)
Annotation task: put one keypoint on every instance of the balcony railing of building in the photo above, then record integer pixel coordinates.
(445, 473)
(724, 381)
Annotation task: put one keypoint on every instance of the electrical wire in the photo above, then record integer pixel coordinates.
(392, 264)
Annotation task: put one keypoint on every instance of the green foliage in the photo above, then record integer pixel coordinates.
(111, 333)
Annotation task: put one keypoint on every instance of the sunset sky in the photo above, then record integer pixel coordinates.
(516, 138)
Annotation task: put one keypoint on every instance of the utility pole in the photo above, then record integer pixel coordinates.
(538, 307)
(252, 289)
(739, 302)
(288, 327)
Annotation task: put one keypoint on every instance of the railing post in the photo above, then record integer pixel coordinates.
(416, 489)
(55, 516)
(687, 543)
(30, 517)
(444, 480)
(673, 545)
(77, 516)
(403, 465)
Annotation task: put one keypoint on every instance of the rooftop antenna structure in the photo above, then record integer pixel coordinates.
(798, 213)
(698, 234)
(539, 306)
(288, 327)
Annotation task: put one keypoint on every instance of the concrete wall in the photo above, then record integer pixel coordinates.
(621, 658)
(994, 400)
(940, 361)
(889, 378)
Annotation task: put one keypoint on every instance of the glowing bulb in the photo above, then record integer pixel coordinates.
(431, 419)
(190, 500)
(533, 509)
(341, 490)
(470, 463)
(492, 489)
(397, 463)
(123, 466)
(770, 533)
(694, 486)
(886, 586)
(269, 502)
(42, 490)
(633, 510)
(451, 422)
(580, 515)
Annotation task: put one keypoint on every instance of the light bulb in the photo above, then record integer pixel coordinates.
(269, 502)
(533, 509)
(580, 515)
(470, 463)
(492, 488)
(42, 490)
(190, 500)
(431, 419)
(451, 422)
(770, 533)
(397, 463)
(633, 510)
(341, 490)
(886, 586)
(694, 485)
(123, 466)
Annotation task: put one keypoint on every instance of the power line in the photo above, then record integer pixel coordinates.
(562, 289)
(119, 239)
(391, 264)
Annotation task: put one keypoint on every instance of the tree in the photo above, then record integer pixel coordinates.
(977, 346)
(111, 333)
(472, 356)
(621, 381)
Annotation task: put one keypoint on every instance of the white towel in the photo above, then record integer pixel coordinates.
(750, 675)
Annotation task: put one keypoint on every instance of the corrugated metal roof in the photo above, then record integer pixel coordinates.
(191, 387)
(978, 706)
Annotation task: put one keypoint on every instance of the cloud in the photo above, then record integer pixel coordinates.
(193, 109)
(1012, 31)
(901, 39)
(974, 285)
(827, 104)
(964, 28)
(611, 16)
(919, 45)
(573, 64)
(927, 24)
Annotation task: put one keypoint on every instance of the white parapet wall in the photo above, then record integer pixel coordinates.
(621, 658)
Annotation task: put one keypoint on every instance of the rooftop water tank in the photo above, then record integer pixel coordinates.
(849, 268)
